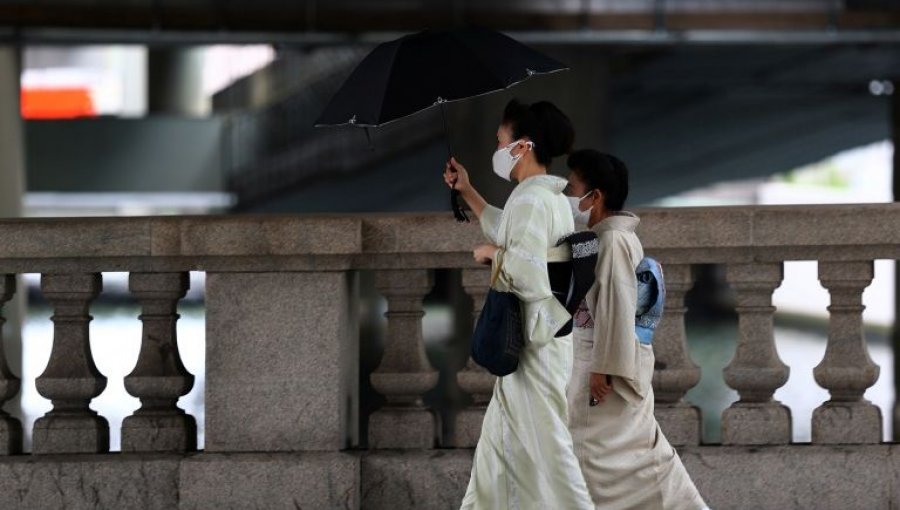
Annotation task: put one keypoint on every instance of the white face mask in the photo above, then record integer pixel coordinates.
(504, 162)
(581, 217)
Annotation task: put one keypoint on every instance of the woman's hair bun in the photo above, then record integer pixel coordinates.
(545, 124)
(558, 133)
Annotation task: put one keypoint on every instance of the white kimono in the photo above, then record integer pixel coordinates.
(524, 458)
(626, 460)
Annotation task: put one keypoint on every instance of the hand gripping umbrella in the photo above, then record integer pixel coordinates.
(429, 68)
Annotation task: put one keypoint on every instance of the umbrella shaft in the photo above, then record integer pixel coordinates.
(446, 132)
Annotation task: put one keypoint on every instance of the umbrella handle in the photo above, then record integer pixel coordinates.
(458, 211)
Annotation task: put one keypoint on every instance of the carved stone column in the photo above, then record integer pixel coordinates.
(404, 374)
(71, 380)
(847, 370)
(10, 428)
(473, 379)
(676, 373)
(756, 370)
(159, 379)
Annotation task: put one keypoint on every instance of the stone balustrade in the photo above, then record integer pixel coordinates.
(282, 402)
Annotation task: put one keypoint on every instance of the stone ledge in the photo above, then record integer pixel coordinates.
(729, 477)
(166, 482)
(89, 482)
(795, 232)
(270, 481)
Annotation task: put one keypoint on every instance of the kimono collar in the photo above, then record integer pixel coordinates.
(551, 182)
(622, 220)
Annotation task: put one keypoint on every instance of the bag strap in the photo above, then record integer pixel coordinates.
(495, 271)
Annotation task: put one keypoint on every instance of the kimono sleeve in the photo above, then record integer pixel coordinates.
(490, 222)
(523, 268)
(616, 351)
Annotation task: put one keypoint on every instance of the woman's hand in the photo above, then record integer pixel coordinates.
(485, 253)
(456, 176)
(601, 385)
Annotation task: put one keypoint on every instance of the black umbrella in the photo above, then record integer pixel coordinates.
(433, 67)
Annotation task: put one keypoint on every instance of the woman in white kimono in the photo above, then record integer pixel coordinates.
(626, 460)
(524, 458)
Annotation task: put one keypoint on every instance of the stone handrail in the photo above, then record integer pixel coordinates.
(282, 333)
(678, 235)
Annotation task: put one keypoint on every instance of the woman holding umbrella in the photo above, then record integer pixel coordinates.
(525, 458)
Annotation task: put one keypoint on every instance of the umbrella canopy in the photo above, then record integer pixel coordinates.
(421, 70)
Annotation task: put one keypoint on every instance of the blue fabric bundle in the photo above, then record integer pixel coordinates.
(651, 300)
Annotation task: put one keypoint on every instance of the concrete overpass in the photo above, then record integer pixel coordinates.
(718, 90)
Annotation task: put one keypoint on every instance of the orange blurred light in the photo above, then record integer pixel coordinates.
(57, 103)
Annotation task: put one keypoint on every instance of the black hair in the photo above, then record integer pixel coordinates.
(603, 172)
(544, 124)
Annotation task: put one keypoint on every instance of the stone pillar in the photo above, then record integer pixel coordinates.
(676, 373)
(159, 379)
(71, 380)
(12, 189)
(10, 428)
(473, 379)
(404, 374)
(175, 82)
(847, 370)
(756, 370)
(282, 361)
(895, 332)
(12, 144)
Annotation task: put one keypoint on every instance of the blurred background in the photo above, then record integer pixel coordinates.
(151, 107)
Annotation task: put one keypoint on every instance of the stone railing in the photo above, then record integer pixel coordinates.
(282, 362)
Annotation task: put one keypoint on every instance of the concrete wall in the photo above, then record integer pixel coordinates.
(151, 154)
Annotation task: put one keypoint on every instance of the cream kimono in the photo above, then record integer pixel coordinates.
(524, 458)
(626, 460)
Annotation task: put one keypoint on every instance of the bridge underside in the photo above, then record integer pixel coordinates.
(326, 20)
(681, 117)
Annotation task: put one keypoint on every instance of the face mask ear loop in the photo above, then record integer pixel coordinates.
(529, 144)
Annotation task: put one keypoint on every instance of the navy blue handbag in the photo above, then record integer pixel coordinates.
(498, 337)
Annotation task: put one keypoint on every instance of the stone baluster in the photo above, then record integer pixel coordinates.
(159, 378)
(71, 380)
(473, 379)
(847, 370)
(10, 428)
(756, 371)
(404, 374)
(676, 373)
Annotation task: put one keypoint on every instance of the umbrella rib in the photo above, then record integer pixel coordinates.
(387, 84)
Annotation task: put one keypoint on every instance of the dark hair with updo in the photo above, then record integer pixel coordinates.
(603, 172)
(544, 124)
